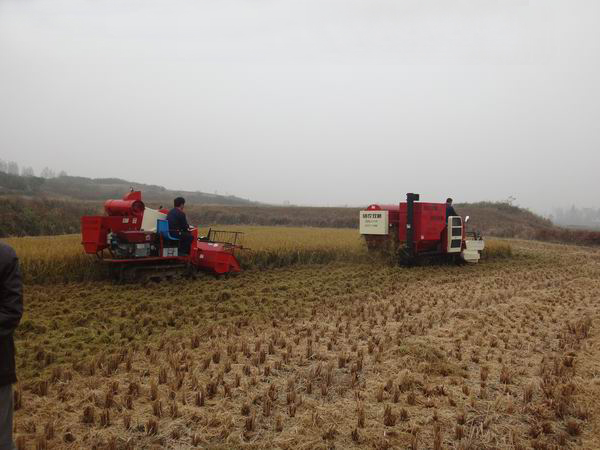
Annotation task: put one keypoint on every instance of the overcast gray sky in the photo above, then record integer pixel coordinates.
(320, 102)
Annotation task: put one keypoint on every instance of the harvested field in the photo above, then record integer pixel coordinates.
(503, 354)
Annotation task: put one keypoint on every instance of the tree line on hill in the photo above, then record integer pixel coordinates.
(12, 168)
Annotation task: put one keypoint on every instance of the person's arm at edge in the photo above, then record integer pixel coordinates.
(11, 294)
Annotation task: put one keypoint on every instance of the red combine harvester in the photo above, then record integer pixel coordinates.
(134, 241)
(418, 231)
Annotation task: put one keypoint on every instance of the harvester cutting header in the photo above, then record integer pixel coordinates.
(136, 240)
(417, 230)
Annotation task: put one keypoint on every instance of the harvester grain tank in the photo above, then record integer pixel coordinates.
(134, 241)
(417, 230)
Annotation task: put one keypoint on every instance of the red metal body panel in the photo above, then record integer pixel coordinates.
(95, 229)
(93, 235)
(215, 257)
(429, 225)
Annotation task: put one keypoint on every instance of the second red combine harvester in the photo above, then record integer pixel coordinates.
(417, 231)
(134, 241)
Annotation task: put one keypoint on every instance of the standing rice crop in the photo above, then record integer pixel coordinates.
(62, 259)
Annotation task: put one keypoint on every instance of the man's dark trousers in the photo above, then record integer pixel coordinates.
(6, 417)
(185, 242)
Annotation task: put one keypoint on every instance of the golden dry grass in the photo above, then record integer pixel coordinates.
(288, 239)
(61, 258)
(496, 248)
(53, 258)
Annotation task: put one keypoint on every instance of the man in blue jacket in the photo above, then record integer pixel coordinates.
(179, 227)
(11, 310)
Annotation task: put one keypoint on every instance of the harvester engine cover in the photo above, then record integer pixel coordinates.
(134, 244)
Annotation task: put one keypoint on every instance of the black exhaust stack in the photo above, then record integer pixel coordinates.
(410, 222)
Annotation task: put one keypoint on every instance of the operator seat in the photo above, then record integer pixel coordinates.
(162, 228)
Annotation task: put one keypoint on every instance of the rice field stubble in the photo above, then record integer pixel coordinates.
(497, 355)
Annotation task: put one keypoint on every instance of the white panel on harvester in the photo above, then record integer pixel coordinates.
(374, 222)
(150, 218)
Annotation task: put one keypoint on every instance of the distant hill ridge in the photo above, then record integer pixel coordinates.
(100, 189)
